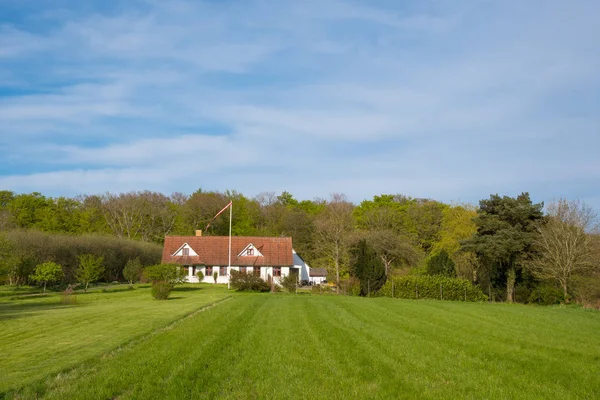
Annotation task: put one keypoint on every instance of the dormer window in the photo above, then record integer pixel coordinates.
(185, 251)
(250, 251)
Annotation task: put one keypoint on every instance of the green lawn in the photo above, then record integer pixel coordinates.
(40, 336)
(286, 346)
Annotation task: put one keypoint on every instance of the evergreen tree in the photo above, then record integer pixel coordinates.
(441, 264)
(367, 266)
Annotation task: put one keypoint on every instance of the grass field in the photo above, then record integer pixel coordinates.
(39, 335)
(303, 346)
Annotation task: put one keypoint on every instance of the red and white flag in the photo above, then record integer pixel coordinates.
(219, 213)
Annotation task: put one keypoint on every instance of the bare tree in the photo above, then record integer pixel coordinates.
(124, 213)
(393, 249)
(333, 228)
(564, 242)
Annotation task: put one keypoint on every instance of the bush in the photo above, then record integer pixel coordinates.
(200, 276)
(172, 273)
(30, 248)
(161, 290)
(432, 287)
(243, 282)
(546, 295)
(289, 282)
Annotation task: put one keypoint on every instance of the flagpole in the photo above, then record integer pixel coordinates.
(229, 264)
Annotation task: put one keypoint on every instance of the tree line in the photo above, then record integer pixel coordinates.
(512, 248)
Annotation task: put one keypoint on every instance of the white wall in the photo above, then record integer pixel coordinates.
(264, 273)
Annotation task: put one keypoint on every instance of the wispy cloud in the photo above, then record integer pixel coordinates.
(451, 102)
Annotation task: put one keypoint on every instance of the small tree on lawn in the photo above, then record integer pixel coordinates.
(164, 277)
(132, 270)
(89, 270)
(215, 276)
(47, 272)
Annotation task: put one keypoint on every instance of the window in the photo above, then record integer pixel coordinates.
(185, 251)
(250, 252)
(276, 271)
(208, 271)
(257, 271)
(223, 271)
(243, 270)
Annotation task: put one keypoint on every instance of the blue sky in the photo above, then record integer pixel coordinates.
(447, 100)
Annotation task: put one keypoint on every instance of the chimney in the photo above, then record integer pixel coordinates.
(199, 232)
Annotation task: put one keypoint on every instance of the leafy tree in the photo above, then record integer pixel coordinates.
(333, 228)
(90, 268)
(441, 264)
(506, 229)
(132, 270)
(47, 272)
(367, 267)
(564, 243)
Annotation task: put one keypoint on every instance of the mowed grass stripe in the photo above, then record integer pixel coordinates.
(285, 346)
(40, 336)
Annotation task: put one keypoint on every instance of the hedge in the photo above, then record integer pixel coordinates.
(432, 287)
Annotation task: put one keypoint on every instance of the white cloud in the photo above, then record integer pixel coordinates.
(347, 96)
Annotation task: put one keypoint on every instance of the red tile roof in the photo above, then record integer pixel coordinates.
(214, 250)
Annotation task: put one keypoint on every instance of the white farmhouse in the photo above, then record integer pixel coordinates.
(264, 256)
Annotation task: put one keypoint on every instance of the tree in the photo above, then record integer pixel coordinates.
(441, 264)
(333, 227)
(367, 267)
(90, 268)
(132, 270)
(393, 250)
(164, 277)
(47, 272)
(506, 228)
(564, 244)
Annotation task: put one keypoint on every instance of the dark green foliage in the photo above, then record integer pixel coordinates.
(432, 287)
(441, 264)
(505, 233)
(26, 249)
(243, 282)
(289, 282)
(367, 267)
(161, 290)
(546, 295)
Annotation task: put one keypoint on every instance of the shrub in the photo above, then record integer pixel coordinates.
(432, 287)
(546, 295)
(289, 282)
(243, 282)
(200, 276)
(161, 290)
(215, 276)
(164, 277)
